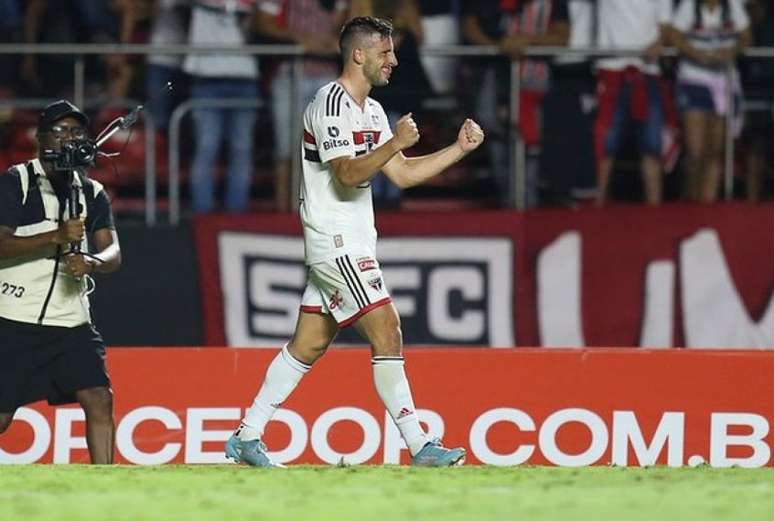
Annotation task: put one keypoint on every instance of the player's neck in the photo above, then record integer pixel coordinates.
(357, 88)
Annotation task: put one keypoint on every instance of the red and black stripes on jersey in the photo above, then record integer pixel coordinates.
(310, 148)
(333, 101)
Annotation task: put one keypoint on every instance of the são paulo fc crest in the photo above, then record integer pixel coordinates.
(376, 284)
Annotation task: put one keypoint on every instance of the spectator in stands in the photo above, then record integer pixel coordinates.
(758, 79)
(169, 26)
(629, 88)
(409, 86)
(514, 26)
(709, 35)
(219, 77)
(567, 158)
(313, 24)
(78, 21)
(440, 26)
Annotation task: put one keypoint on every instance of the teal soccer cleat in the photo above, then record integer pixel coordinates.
(251, 452)
(433, 454)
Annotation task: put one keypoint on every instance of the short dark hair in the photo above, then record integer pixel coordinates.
(362, 26)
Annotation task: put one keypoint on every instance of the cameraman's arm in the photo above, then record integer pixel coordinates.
(13, 246)
(108, 256)
(104, 238)
(109, 251)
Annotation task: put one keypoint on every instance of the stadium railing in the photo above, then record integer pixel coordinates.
(516, 159)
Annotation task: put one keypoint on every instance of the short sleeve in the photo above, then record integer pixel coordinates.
(100, 215)
(684, 16)
(10, 199)
(332, 126)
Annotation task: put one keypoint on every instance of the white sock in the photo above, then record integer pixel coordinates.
(282, 377)
(393, 388)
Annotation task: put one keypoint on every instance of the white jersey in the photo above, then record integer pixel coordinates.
(711, 33)
(338, 220)
(630, 24)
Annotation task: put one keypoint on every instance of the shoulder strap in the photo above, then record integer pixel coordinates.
(27, 179)
(89, 192)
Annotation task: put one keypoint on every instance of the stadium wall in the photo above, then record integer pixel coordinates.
(154, 299)
(675, 275)
(568, 407)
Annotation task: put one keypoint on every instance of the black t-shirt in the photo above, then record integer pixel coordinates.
(496, 17)
(13, 214)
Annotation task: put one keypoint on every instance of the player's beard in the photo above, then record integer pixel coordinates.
(373, 73)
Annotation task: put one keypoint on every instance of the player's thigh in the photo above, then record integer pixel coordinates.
(313, 334)
(381, 327)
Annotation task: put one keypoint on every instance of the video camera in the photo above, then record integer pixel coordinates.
(73, 155)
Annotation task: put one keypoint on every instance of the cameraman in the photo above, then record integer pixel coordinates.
(48, 346)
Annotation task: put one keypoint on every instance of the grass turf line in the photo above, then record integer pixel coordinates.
(373, 493)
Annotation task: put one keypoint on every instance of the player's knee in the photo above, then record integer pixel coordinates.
(5, 421)
(96, 402)
(308, 352)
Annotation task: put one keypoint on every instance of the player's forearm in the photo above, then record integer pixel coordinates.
(355, 171)
(417, 170)
(12, 246)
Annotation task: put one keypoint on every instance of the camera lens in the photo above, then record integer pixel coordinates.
(85, 152)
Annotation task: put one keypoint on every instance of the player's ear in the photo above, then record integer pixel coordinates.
(358, 55)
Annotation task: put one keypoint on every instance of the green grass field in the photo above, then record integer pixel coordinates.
(372, 493)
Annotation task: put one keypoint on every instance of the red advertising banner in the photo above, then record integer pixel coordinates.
(676, 275)
(507, 407)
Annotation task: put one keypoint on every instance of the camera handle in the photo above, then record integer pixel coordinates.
(73, 206)
(73, 212)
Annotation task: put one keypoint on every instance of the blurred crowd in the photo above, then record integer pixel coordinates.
(642, 126)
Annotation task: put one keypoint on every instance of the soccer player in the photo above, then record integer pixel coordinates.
(347, 140)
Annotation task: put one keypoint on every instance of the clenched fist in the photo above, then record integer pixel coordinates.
(69, 231)
(406, 132)
(470, 136)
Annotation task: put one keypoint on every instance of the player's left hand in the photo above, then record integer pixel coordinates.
(470, 136)
(78, 265)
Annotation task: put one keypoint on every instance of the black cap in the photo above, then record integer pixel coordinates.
(58, 110)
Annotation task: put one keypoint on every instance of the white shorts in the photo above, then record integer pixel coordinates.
(346, 287)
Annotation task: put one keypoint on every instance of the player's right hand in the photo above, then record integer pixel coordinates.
(406, 132)
(69, 231)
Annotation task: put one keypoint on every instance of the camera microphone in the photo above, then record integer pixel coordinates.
(131, 118)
